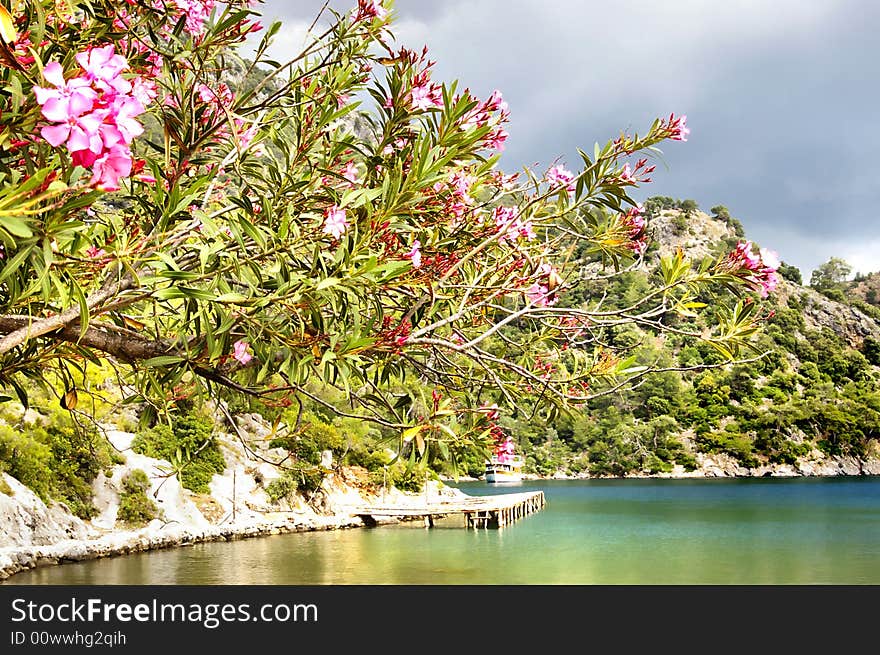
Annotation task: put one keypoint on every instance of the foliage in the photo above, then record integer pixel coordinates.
(408, 478)
(791, 273)
(334, 226)
(57, 459)
(829, 277)
(281, 488)
(188, 443)
(135, 507)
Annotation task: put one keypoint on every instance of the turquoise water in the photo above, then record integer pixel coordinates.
(751, 531)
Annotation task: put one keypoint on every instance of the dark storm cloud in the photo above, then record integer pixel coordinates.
(782, 98)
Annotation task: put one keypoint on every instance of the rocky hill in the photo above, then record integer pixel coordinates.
(809, 407)
(866, 288)
(701, 235)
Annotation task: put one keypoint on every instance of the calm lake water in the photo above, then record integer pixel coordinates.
(750, 531)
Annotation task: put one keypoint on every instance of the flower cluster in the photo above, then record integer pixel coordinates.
(637, 174)
(634, 223)
(370, 9)
(504, 448)
(415, 254)
(394, 336)
(456, 194)
(94, 113)
(543, 293)
(511, 226)
(674, 128)
(197, 13)
(485, 114)
(758, 270)
(558, 176)
(335, 222)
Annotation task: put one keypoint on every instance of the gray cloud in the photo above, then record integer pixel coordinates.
(781, 98)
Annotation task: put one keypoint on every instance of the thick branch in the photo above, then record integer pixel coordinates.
(31, 329)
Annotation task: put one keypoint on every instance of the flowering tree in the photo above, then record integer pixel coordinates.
(203, 221)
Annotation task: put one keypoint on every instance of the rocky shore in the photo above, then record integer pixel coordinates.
(34, 534)
(721, 465)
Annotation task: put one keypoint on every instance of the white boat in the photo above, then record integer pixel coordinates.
(504, 468)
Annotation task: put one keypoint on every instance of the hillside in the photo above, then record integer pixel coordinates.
(809, 406)
(866, 288)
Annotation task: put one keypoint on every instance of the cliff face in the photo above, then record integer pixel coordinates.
(819, 312)
(701, 235)
(34, 533)
(866, 289)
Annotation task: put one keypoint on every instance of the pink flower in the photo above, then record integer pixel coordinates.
(68, 100)
(94, 115)
(80, 133)
(676, 128)
(104, 68)
(758, 272)
(350, 172)
(537, 295)
(334, 221)
(144, 91)
(240, 352)
(495, 140)
(415, 254)
(371, 9)
(197, 12)
(426, 96)
(494, 102)
(558, 176)
(770, 258)
(109, 167)
(95, 252)
(526, 230)
(126, 108)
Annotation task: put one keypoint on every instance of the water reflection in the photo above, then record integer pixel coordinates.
(591, 532)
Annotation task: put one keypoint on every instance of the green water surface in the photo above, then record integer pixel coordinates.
(750, 531)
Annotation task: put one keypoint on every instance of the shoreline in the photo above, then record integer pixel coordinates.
(725, 466)
(128, 542)
(116, 543)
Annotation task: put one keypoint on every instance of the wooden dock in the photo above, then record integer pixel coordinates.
(478, 511)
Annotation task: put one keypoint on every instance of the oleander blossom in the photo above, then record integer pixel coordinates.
(634, 224)
(334, 221)
(371, 9)
(426, 96)
(757, 269)
(676, 128)
(537, 294)
(197, 13)
(543, 292)
(504, 450)
(558, 176)
(94, 113)
(240, 352)
(415, 254)
(510, 226)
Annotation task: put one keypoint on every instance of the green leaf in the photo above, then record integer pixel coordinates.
(410, 433)
(163, 360)
(327, 283)
(16, 226)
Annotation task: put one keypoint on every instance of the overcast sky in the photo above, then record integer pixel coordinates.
(782, 98)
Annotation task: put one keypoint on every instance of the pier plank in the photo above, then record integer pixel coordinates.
(478, 511)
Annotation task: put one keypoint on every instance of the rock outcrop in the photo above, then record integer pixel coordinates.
(33, 533)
